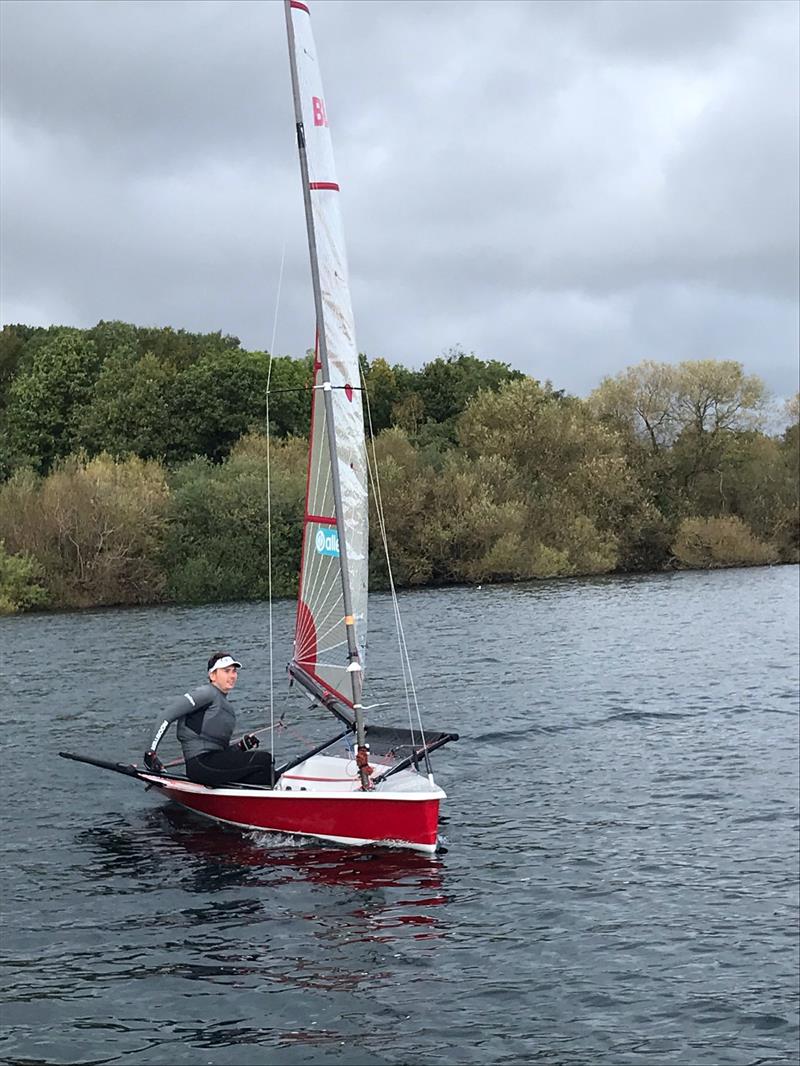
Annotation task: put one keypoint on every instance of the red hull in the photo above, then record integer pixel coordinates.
(355, 818)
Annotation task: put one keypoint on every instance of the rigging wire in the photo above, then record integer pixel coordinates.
(405, 661)
(269, 505)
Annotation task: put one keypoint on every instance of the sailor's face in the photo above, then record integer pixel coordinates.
(224, 678)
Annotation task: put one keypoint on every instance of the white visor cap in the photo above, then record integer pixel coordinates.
(222, 663)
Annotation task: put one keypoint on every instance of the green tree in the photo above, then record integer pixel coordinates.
(132, 410)
(13, 343)
(220, 398)
(448, 383)
(581, 494)
(786, 533)
(692, 435)
(641, 401)
(112, 337)
(383, 393)
(20, 588)
(290, 382)
(714, 395)
(703, 543)
(95, 526)
(217, 547)
(408, 413)
(406, 491)
(45, 398)
(658, 402)
(182, 349)
(715, 402)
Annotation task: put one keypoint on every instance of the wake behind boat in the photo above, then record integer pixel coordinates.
(368, 783)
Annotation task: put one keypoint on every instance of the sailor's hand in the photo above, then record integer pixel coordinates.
(248, 741)
(152, 762)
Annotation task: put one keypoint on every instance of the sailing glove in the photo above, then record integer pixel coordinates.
(248, 741)
(152, 762)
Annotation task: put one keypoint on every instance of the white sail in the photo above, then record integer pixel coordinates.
(330, 534)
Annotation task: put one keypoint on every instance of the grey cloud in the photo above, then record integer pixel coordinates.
(569, 187)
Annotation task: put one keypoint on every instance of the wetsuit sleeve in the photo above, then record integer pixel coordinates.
(179, 708)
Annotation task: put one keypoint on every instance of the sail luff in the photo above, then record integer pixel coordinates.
(335, 318)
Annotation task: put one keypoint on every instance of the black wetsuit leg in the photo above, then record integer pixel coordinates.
(231, 765)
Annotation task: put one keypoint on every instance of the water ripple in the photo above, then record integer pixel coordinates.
(620, 884)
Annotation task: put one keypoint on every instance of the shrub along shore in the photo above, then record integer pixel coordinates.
(133, 470)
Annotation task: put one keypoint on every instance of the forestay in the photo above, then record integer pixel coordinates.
(335, 539)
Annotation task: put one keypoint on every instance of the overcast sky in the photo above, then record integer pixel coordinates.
(569, 187)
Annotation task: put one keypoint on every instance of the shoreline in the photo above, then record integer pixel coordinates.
(608, 575)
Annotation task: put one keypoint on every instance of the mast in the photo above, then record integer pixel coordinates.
(354, 668)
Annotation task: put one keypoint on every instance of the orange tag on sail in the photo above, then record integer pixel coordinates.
(349, 620)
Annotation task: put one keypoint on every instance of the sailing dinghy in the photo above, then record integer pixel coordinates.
(369, 784)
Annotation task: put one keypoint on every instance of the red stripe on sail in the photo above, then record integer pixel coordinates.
(299, 5)
(323, 185)
(320, 520)
(305, 651)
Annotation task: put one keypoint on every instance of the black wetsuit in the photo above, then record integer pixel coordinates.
(206, 721)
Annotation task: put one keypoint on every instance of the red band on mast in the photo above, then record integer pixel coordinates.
(323, 185)
(300, 6)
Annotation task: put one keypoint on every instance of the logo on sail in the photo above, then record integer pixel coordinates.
(327, 542)
(318, 107)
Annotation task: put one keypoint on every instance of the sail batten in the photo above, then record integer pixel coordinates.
(330, 632)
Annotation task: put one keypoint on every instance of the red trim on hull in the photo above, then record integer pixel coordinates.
(302, 777)
(360, 817)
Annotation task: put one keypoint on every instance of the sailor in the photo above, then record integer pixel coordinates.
(206, 720)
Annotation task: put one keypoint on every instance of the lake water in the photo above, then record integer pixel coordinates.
(621, 877)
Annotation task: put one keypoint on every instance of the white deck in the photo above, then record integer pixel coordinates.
(327, 773)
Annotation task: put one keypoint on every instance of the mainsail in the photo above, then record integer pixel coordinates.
(331, 626)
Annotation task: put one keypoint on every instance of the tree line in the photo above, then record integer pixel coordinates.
(133, 469)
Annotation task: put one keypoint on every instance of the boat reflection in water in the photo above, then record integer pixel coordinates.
(372, 877)
(371, 895)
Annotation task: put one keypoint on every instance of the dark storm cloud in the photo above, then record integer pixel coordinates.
(570, 187)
